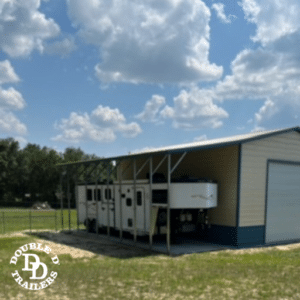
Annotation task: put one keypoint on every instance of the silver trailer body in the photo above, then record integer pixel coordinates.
(116, 202)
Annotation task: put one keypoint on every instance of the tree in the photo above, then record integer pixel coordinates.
(8, 165)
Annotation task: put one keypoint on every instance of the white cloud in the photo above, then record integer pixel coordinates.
(274, 19)
(219, 8)
(9, 123)
(10, 99)
(200, 138)
(102, 125)
(195, 109)
(63, 47)
(147, 41)
(268, 110)
(7, 73)
(23, 28)
(151, 109)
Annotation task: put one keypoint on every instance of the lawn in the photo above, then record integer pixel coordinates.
(23, 219)
(268, 273)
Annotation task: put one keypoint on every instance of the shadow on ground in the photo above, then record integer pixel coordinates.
(89, 244)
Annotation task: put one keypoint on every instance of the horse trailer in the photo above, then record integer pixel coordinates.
(142, 208)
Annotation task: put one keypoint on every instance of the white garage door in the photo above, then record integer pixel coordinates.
(283, 203)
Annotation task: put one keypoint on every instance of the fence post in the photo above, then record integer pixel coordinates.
(30, 220)
(55, 220)
(3, 222)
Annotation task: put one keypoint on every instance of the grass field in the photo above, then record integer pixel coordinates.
(12, 219)
(267, 273)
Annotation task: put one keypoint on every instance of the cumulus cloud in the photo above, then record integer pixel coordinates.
(23, 28)
(147, 41)
(274, 19)
(219, 8)
(195, 109)
(102, 125)
(9, 123)
(10, 99)
(152, 107)
(7, 73)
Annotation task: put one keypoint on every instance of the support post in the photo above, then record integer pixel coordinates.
(3, 222)
(76, 199)
(86, 203)
(134, 199)
(107, 198)
(69, 201)
(55, 220)
(150, 208)
(168, 207)
(97, 199)
(121, 202)
(61, 202)
(30, 220)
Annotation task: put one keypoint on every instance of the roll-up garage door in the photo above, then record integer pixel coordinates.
(283, 203)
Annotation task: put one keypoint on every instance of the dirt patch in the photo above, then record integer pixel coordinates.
(262, 249)
(84, 245)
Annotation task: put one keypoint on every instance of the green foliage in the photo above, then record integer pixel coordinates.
(34, 171)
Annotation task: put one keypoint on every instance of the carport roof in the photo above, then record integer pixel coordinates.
(202, 145)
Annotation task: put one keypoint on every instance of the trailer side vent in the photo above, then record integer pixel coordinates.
(160, 196)
(128, 201)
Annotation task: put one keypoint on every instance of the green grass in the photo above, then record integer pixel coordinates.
(24, 219)
(270, 274)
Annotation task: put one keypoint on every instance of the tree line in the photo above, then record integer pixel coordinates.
(31, 174)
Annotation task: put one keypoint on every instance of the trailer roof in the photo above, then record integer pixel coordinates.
(189, 147)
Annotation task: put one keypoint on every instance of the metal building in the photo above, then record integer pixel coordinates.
(258, 176)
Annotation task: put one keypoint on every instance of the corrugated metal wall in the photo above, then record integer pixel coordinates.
(253, 173)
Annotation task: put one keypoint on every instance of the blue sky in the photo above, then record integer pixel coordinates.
(113, 77)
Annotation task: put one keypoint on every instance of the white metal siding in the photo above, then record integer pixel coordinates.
(283, 203)
(255, 154)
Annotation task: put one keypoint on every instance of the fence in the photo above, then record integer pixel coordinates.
(29, 219)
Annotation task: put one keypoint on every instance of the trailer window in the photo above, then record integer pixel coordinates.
(128, 201)
(97, 194)
(107, 193)
(89, 195)
(129, 222)
(139, 198)
(160, 196)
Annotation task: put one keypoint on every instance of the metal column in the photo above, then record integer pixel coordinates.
(97, 204)
(121, 212)
(168, 207)
(68, 196)
(61, 201)
(107, 198)
(134, 199)
(86, 202)
(76, 199)
(150, 209)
